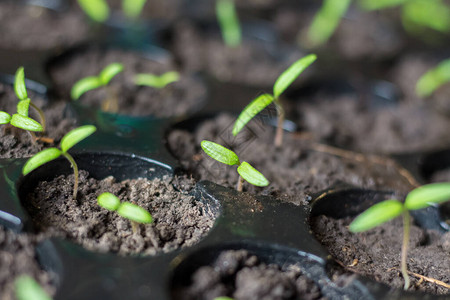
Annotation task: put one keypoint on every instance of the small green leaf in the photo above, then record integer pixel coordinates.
(425, 195)
(26, 288)
(97, 10)
(288, 76)
(220, 153)
(134, 213)
(376, 215)
(84, 85)
(251, 175)
(251, 110)
(23, 107)
(19, 84)
(75, 136)
(25, 123)
(5, 118)
(426, 13)
(109, 72)
(40, 158)
(156, 81)
(108, 201)
(132, 8)
(433, 79)
(229, 22)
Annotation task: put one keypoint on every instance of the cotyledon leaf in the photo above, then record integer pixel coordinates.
(19, 84)
(134, 212)
(220, 153)
(26, 288)
(376, 215)
(5, 118)
(97, 10)
(229, 22)
(108, 201)
(75, 136)
(26, 123)
(425, 195)
(133, 8)
(23, 107)
(40, 158)
(433, 79)
(155, 80)
(252, 175)
(251, 110)
(84, 85)
(109, 72)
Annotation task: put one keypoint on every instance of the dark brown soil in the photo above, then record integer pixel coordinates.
(296, 170)
(15, 143)
(156, 9)
(376, 253)
(28, 27)
(240, 275)
(441, 176)
(17, 257)
(179, 220)
(178, 98)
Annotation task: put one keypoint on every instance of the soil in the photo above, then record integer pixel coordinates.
(156, 9)
(178, 98)
(296, 170)
(28, 27)
(441, 176)
(15, 143)
(240, 275)
(17, 257)
(376, 252)
(179, 220)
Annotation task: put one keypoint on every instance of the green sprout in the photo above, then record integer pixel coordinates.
(97, 10)
(102, 80)
(326, 21)
(127, 210)
(262, 101)
(229, 22)
(228, 157)
(384, 211)
(433, 79)
(68, 141)
(26, 288)
(132, 8)
(156, 81)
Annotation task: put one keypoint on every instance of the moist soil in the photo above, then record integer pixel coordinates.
(240, 275)
(28, 27)
(18, 257)
(296, 170)
(179, 220)
(16, 143)
(376, 252)
(176, 99)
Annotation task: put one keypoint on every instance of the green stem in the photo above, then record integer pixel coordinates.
(406, 229)
(279, 133)
(240, 184)
(41, 115)
(75, 173)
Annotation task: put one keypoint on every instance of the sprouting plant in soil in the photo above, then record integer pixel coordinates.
(98, 10)
(226, 156)
(384, 211)
(127, 210)
(433, 79)
(110, 103)
(228, 22)
(26, 288)
(69, 140)
(155, 81)
(262, 101)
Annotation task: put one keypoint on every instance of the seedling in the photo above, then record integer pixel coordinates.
(387, 210)
(229, 22)
(127, 210)
(93, 82)
(155, 81)
(226, 156)
(98, 10)
(72, 138)
(262, 101)
(26, 288)
(433, 79)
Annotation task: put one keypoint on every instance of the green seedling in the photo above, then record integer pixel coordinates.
(127, 210)
(132, 8)
(72, 138)
(228, 157)
(262, 101)
(229, 22)
(155, 81)
(433, 79)
(98, 10)
(26, 288)
(384, 211)
(326, 21)
(89, 83)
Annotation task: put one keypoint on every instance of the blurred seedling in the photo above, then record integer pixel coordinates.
(433, 79)
(387, 210)
(72, 138)
(110, 103)
(98, 10)
(229, 23)
(155, 81)
(262, 101)
(26, 288)
(228, 157)
(134, 213)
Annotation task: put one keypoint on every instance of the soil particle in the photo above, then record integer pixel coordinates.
(377, 252)
(178, 98)
(240, 275)
(17, 257)
(179, 220)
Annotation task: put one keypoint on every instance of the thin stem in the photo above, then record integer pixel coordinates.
(111, 103)
(75, 173)
(41, 115)
(406, 228)
(33, 137)
(240, 184)
(134, 226)
(279, 133)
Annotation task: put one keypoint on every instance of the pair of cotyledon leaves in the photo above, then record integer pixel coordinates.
(98, 10)
(384, 211)
(126, 210)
